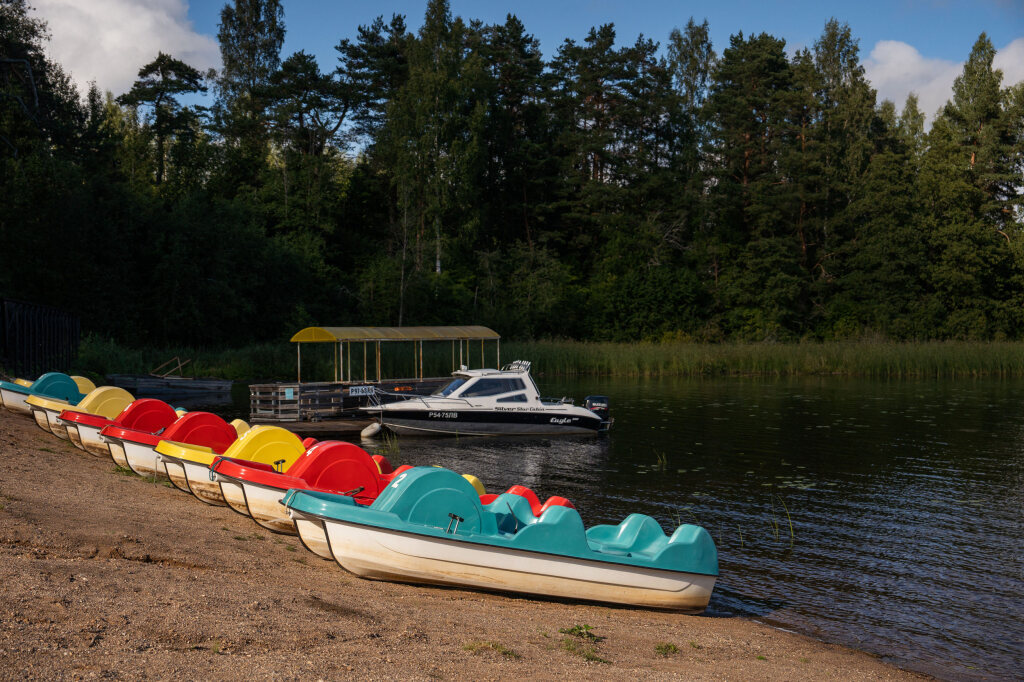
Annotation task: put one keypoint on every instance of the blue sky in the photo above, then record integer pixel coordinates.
(907, 45)
(943, 29)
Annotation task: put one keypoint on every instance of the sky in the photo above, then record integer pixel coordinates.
(906, 45)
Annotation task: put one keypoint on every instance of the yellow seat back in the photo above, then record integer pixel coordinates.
(44, 403)
(240, 426)
(476, 483)
(105, 401)
(23, 382)
(193, 453)
(267, 444)
(84, 384)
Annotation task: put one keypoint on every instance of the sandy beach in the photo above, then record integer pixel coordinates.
(107, 575)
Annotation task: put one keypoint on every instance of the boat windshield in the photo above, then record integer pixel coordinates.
(449, 388)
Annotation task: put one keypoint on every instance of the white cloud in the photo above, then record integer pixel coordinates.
(1011, 60)
(110, 40)
(896, 69)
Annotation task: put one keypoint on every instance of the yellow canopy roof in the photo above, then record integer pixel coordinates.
(335, 334)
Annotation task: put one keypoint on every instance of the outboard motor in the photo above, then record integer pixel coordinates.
(598, 404)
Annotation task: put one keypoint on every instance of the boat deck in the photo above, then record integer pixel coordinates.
(324, 427)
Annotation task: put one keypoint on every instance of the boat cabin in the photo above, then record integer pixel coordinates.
(510, 384)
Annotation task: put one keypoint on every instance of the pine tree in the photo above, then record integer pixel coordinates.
(250, 34)
(753, 253)
(158, 86)
(970, 184)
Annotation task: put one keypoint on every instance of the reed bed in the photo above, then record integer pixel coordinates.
(868, 359)
(277, 360)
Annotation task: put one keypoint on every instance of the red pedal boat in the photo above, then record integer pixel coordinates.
(254, 489)
(136, 449)
(146, 414)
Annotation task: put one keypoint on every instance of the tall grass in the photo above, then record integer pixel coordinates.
(277, 361)
(866, 358)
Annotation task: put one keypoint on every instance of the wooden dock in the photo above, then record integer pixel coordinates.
(312, 403)
(344, 428)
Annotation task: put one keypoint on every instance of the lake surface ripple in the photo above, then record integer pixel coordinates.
(906, 501)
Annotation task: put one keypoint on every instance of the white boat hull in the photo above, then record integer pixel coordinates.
(41, 421)
(193, 478)
(88, 438)
(15, 402)
(142, 459)
(174, 470)
(117, 453)
(73, 436)
(311, 534)
(49, 420)
(407, 557)
(233, 494)
(266, 509)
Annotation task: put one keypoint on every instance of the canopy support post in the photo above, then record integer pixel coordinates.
(499, 353)
(298, 363)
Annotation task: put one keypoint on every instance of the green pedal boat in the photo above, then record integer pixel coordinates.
(429, 526)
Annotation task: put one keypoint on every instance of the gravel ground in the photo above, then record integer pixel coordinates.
(104, 574)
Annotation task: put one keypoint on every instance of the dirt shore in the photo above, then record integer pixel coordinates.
(104, 574)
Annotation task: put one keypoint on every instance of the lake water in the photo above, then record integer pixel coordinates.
(884, 515)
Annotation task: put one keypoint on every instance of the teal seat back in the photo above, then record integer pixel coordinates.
(511, 512)
(57, 385)
(636, 533)
(559, 530)
(432, 496)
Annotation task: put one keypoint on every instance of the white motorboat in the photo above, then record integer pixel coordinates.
(490, 402)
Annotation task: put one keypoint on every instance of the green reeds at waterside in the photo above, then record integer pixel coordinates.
(276, 361)
(868, 359)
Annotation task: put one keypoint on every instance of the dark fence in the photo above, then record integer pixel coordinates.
(37, 338)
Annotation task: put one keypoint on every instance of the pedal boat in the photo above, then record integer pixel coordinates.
(17, 382)
(429, 526)
(51, 385)
(105, 401)
(146, 414)
(136, 449)
(188, 465)
(254, 489)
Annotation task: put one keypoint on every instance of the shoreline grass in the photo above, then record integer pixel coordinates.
(276, 361)
(932, 359)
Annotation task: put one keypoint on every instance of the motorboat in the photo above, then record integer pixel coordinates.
(488, 402)
(105, 401)
(136, 450)
(50, 385)
(188, 464)
(146, 414)
(430, 526)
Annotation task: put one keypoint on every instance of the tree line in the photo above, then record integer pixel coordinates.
(616, 191)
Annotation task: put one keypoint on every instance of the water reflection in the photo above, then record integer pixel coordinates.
(882, 515)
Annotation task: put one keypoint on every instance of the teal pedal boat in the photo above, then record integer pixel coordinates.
(429, 526)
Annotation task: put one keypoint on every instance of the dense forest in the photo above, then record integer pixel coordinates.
(616, 191)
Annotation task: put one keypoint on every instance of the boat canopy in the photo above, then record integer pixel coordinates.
(344, 337)
(344, 334)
